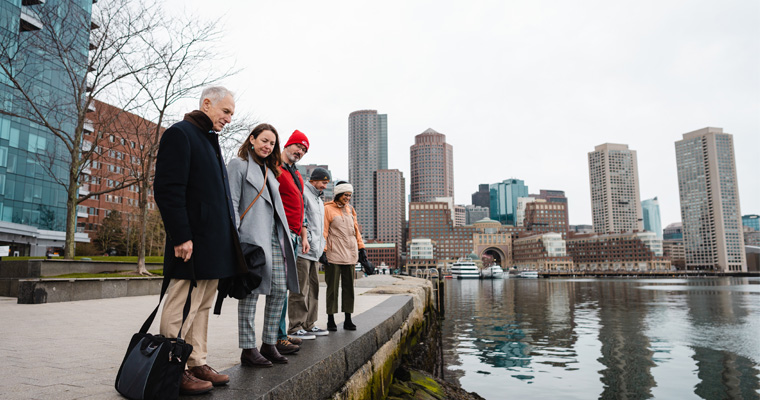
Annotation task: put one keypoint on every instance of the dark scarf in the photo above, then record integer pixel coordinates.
(200, 119)
(292, 169)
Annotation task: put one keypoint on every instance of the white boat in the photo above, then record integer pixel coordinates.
(493, 272)
(528, 274)
(465, 269)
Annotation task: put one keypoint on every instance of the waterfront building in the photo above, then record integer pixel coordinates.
(379, 253)
(751, 237)
(673, 249)
(650, 212)
(614, 181)
(391, 211)
(673, 231)
(307, 169)
(709, 195)
(433, 220)
(490, 238)
(628, 251)
(543, 217)
(32, 182)
(420, 255)
(520, 214)
(554, 196)
(116, 161)
(482, 197)
(543, 252)
(503, 200)
(475, 213)
(751, 221)
(432, 167)
(367, 153)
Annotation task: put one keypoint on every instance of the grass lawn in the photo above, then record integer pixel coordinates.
(123, 274)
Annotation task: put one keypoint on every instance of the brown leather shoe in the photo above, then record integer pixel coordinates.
(270, 352)
(192, 385)
(295, 340)
(206, 373)
(286, 347)
(252, 358)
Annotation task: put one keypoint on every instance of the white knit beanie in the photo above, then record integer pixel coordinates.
(342, 188)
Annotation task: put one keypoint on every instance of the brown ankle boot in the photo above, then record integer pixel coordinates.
(252, 358)
(192, 385)
(270, 352)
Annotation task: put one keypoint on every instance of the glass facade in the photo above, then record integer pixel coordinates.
(504, 197)
(751, 221)
(34, 162)
(650, 210)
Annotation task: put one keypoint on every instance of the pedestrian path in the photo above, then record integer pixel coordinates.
(72, 350)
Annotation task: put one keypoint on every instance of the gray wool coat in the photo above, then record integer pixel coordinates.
(246, 180)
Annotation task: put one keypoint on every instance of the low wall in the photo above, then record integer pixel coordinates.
(39, 291)
(40, 268)
(373, 379)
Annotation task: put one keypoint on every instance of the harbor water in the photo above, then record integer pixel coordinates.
(693, 338)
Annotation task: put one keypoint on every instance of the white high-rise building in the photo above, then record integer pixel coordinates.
(614, 178)
(709, 194)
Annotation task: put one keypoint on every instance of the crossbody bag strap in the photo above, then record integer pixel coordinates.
(266, 172)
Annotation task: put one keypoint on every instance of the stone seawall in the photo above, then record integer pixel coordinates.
(373, 379)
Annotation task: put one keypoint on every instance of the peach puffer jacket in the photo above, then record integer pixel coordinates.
(342, 233)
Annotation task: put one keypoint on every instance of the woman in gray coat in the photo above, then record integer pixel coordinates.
(254, 171)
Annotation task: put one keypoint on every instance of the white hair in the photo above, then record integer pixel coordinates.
(214, 94)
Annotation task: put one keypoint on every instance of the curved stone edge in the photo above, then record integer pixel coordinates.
(372, 379)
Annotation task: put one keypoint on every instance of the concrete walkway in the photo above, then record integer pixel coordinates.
(73, 350)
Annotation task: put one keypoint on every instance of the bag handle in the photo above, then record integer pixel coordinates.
(266, 172)
(185, 310)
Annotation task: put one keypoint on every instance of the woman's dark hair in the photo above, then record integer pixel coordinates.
(273, 160)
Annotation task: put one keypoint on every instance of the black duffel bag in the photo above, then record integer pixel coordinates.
(153, 366)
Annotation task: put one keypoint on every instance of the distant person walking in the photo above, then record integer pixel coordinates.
(192, 193)
(343, 250)
(254, 171)
(303, 307)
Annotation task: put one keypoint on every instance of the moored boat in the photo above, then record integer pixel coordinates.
(528, 274)
(493, 272)
(465, 269)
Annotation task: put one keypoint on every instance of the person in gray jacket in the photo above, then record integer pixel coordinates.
(303, 307)
(254, 173)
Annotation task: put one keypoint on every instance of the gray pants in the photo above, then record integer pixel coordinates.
(303, 308)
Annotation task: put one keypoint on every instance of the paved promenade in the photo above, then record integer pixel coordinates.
(73, 350)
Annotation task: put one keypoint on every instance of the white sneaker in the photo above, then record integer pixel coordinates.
(304, 335)
(319, 332)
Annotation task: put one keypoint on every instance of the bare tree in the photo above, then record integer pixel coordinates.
(185, 63)
(59, 48)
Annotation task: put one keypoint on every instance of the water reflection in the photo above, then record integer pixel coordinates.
(609, 339)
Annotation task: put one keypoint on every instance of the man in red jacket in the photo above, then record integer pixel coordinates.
(291, 192)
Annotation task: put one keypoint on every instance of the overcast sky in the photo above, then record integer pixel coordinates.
(521, 89)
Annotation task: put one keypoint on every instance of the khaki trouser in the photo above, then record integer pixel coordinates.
(195, 329)
(303, 307)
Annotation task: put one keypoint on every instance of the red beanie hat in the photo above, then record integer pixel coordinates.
(298, 137)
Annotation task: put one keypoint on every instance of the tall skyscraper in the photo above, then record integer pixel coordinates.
(709, 194)
(504, 197)
(32, 201)
(432, 167)
(614, 178)
(367, 153)
(391, 207)
(482, 197)
(650, 211)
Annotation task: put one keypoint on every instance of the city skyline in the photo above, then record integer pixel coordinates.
(523, 90)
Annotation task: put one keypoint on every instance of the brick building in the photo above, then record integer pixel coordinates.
(115, 160)
(545, 217)
(382, 253)
(543, 252)
(630, 251)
